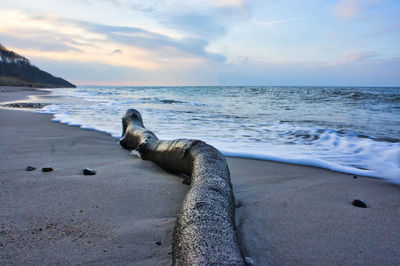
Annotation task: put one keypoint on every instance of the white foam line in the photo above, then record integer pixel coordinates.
(308, 162)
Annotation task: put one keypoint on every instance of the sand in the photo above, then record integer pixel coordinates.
(296, 215)
(285, 215)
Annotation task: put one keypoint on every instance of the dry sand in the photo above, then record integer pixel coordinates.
(286, 215)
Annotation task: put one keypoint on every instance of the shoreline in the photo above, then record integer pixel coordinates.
(114, 217)
(279, 140)
(286, 214)
(18, 94)
(32, 98)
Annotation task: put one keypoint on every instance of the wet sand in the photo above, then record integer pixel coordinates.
(286, 214)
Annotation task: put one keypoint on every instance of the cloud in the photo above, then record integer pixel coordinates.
(226, 3)
(168, 5)
(352, 57)
(348, 8)
(274, 22)
(372, 72)
(66, 39)
(207, 19)
(38, 42)
(89, 72)
(199, 25)
(351, 8)
(358, 56)
(156, 43)
(94, 73)
(389, 29)
(117, 51)
(194, 42)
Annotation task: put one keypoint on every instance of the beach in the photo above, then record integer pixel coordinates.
(125, 214)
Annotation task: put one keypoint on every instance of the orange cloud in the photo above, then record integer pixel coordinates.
(50, 37)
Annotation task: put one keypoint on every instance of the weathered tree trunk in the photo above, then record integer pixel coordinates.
(205, 229)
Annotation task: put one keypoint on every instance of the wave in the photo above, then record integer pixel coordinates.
(324, 143)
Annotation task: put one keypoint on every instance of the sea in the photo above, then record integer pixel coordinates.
(353, 130)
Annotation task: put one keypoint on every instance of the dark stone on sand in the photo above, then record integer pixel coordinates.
(26, 105)
(30, 168)
(47, 169)
(185, 182)
(359, 203)
(88, 171)
(354, 176)
(158, 243)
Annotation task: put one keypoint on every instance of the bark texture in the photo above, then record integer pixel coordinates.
(204, 233)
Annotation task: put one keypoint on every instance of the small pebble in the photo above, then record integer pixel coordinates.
(359, 203)
(88, 171)
(158, 243)
(248, 261)
(47, 169)
(30, 168)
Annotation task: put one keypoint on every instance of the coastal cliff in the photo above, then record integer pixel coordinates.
(16, 70)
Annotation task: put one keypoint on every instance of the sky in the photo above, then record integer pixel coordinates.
(208, 42)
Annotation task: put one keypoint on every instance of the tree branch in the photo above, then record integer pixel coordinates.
(205, 227)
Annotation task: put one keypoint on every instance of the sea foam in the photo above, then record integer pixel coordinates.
(350, 130)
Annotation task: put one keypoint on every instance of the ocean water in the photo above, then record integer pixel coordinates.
(346, 129)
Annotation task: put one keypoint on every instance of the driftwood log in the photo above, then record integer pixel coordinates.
(205, 228)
